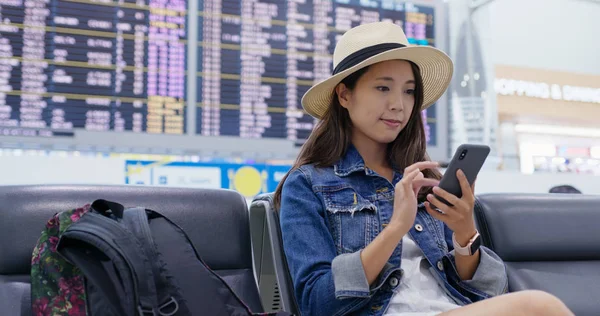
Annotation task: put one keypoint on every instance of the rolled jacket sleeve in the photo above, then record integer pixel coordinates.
(349, 276)
(490, 278)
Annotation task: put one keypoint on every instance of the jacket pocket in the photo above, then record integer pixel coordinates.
(353, 219)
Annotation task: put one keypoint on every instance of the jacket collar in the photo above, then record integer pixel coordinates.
(352, 161)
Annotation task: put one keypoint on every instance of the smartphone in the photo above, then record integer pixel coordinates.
(468, 158)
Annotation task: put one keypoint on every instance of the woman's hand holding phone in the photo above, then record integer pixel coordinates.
(459, 216)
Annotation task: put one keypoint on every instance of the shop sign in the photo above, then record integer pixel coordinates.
(543, 90)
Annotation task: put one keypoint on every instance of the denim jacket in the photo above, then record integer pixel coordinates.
(328, 215)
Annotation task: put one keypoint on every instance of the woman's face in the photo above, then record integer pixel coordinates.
(382, 101)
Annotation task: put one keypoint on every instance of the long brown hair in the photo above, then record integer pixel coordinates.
(332, 135)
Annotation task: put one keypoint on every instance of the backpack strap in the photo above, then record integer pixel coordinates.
(136, 219)
(104, 237)
(108, 208)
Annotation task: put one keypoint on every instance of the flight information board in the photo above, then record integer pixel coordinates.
(98, 65)
(113, 66)
(257, 58)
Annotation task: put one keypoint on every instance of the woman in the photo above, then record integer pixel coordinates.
(359, 230)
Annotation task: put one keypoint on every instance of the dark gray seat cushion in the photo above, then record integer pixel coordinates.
(215, 220)
(550, 242)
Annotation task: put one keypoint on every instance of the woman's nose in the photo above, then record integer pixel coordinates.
(397, 104)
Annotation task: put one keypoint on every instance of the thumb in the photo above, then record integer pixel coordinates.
(407, 180)
(417, 183)
(425, 182)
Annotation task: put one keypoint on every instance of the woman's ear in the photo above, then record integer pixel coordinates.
(343, 94)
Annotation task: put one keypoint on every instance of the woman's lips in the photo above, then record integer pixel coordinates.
(391, 123)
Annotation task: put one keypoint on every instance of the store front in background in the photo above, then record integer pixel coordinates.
(549, 120)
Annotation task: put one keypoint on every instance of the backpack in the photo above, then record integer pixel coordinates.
(103, 259)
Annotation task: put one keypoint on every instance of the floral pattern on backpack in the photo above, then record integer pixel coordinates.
(57, 287)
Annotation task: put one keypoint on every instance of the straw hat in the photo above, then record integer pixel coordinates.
(371, 43)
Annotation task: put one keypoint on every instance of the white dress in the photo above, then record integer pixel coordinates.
(418, 293)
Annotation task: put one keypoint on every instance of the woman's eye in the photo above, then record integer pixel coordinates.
(410, 91)
(383, 88)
